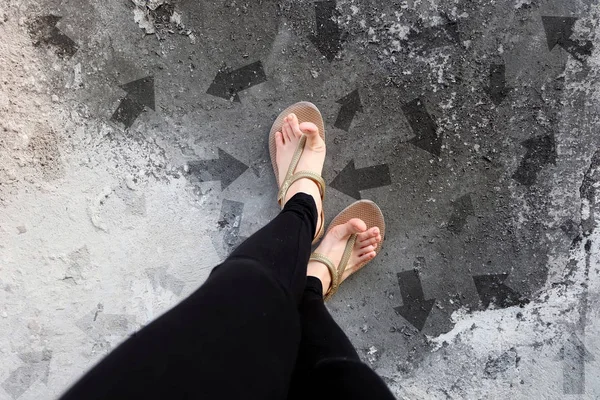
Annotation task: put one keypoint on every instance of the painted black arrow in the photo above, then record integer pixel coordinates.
(351, 180)
(574, 356)
(43, 31)
(541, 151)
(423, 126)
(225, 169)
(228, 83)
(36, 367)
(462, 208)
(492, 290)
(433, 37)
(559, 31)
(415, 308)
(350, 106)
(140, 94)
(329, 37)
(497, 90)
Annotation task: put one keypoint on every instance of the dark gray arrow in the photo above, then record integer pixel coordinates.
(350, 106)
(423, 126)
(492, 290)
(463, 207)
(37, 367)
(225, 169)
(351, 180)
(228, 83)
(329, 37)
(230, 221)
(574, 356)
(140, 94)
(43, 31)
(497, 90)
(541, 151)
(433, 37)
(559, 31)
(415, 308)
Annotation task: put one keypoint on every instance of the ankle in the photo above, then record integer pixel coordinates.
(319, 271)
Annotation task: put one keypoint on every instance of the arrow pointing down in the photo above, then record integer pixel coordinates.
(415, 308)
(350, 106)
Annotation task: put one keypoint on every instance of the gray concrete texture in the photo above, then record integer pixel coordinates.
(133, 158)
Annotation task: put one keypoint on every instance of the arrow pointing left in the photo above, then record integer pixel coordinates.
(37, 367)
(415, 308)
(43, 30)
(225, 169)
(351, 180)
(140, 94)
(228, 84)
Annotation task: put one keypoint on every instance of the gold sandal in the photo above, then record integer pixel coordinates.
(371, 214)
(306, 112)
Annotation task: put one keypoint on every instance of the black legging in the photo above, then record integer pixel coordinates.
(256, 329)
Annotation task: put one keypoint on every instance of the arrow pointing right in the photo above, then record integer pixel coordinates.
(574, 354)
(225, 169)
(351, 181)
(559, 31)
(492, 290)
(415, 308)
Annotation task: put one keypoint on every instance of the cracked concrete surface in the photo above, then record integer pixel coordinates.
(133, 158)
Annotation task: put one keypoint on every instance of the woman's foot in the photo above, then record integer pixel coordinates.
(333, 246)
(312, 158)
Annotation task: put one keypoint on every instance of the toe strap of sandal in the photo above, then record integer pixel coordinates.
(336, 273)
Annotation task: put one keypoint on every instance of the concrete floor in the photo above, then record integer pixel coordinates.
(133, 158)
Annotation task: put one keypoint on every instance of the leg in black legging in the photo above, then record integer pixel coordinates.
(236, 337)
(328, 365)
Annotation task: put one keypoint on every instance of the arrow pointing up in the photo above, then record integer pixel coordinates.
(492, 290)
(350, 106)
(329, 35)
(351, 180)
(574, 354)
(43, 30)
(497, 90)
(559, 31)
(140, 94)
(228, 84)
(415, 308)
(225, 169)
